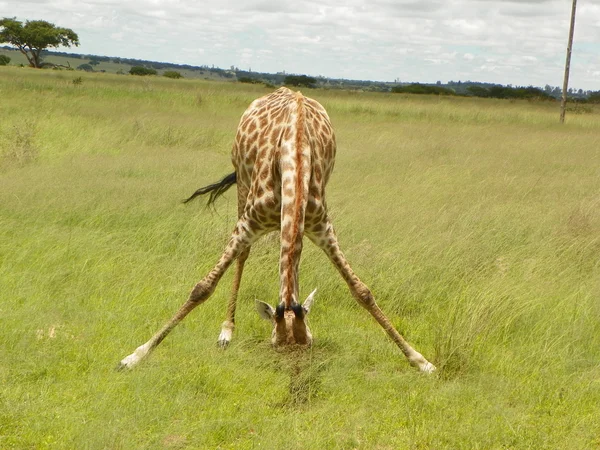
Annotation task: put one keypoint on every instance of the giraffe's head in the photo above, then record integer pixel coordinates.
(289, 326)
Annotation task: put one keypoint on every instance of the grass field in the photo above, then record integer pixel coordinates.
(17, 58)
(475, 222)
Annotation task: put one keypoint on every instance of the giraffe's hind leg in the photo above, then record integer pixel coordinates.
(324, 237)
(241, 239)
(229, 324)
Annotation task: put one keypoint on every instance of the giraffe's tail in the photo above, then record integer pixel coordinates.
(216, 189)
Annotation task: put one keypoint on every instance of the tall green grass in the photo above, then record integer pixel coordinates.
(475, 222)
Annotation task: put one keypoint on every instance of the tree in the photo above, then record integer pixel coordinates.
(4, 60)
(35, 36)
(139, 70)
(300, 80)
(85, 67)
(478, 91)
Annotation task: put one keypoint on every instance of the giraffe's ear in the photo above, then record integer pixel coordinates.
(265, 310)
(309, 301)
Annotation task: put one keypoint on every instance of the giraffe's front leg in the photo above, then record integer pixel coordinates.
(241, 239)
(324, 237)
(228, 326)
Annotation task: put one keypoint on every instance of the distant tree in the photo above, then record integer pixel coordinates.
(478, 91)
(85, 68)
(498, 91)
(35, 36)
(4, 60)
(249, 80)
(300, 80)
(594, 97)
(172, 74)
(417, 88)
(93, 62)
(140, 70)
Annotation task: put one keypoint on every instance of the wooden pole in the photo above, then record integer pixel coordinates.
(563, 102)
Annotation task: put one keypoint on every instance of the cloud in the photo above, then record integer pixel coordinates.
(376, 39)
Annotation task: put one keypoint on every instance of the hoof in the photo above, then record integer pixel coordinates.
(121, 366)
(417, 360)
(129, 362)
(226, 334)
(223, 343)
(427, 368)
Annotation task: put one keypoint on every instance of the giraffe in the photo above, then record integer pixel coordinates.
(283, 156)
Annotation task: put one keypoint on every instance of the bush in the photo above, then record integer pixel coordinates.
(417, 88)
(248, 80)
(4, 60)
(142, 71)
(172, 74)
(85, 67)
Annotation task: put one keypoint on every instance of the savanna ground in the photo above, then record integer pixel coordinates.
(475, 222)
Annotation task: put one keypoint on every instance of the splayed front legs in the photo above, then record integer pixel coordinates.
(240, 241)
(325, 238)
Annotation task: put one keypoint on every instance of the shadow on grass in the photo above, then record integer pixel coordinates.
(303, 367)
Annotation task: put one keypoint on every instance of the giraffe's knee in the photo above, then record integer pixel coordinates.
(363, 296)
(201, 292)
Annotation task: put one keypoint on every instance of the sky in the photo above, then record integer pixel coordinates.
(518, 42)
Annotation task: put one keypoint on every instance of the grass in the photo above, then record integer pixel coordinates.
(475, 222)
(17, 58)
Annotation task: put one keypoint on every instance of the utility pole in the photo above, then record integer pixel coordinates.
(563, 102)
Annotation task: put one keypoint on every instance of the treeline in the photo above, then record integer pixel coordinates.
(156, 65)
(464, 88)
(493, 91)
(474, 90)
(593, 97)
(509, 92)
(417, 88)
(233, 73)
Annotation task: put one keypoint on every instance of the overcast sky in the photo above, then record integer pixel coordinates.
(518, 42)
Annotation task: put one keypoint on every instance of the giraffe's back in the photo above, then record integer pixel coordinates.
(268, 131)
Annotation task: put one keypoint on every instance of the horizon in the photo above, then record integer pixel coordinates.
(396, 82)
(519, 43)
